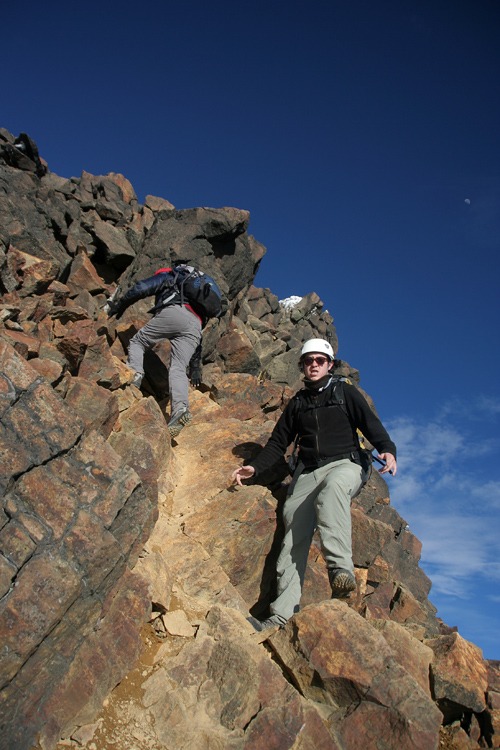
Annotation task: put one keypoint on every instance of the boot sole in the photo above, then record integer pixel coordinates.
(342, 586)
(181, 422)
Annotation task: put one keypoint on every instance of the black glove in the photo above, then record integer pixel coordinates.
(195, 374)
(114, 309)
(195, 367)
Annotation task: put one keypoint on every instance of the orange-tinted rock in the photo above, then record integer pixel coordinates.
(143, 442)
(338, 659)
(73, 340)
(83, 275)
(413, 655)
(459, 674)
(48, 368)
(99, 365)
(245, 701)
(96, 406)
(237, 352)
(369, 537)
(27, 346)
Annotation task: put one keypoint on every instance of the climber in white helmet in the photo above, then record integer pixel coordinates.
(322, 419)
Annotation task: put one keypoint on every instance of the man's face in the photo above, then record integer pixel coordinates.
(316, 365)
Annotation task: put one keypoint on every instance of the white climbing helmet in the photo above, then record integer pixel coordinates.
(318, 346)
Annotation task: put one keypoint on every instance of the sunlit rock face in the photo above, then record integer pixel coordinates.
(128, 558)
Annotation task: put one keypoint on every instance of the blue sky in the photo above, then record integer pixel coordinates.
(364, 140)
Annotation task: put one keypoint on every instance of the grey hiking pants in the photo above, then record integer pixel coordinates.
(320, 499)
(183, 329)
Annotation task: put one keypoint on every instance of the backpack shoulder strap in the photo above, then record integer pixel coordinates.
(358, 435)
(181, 275)
(337, 396)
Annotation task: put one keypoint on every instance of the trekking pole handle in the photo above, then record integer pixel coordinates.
(381, 462)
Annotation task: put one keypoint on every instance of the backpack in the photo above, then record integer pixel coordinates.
(337, 399)
(199, 290)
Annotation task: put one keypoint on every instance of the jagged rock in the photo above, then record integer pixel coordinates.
(32, 275)
(73, 340)
(97, 407)
(493, 697)
(26, 346)
(68, 687)
(75, 515)
(369, 538)
(99, 365)
(240, 554)
(86, 463)
(236, 350)
(177, 623)
(223, 690)
(141, 438)
(459, 675)
(23, 218)
(111, 243)
(309, 304)
(48, 368)
(372, 698)
(244, 397)
(413, 655)
(157, 204)
(284, 369)
(83, 275)
(78, 240)
(35, 425)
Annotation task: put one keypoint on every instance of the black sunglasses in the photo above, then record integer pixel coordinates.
(311, 360)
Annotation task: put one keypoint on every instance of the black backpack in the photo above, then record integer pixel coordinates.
(199, 290)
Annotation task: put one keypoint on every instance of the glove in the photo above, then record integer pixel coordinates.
(195, 374)
(114, 309)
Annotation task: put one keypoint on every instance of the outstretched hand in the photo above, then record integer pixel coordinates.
(390, 464)
(114, 309)
(243, 472)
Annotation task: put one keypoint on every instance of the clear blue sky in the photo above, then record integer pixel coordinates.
(363, 137)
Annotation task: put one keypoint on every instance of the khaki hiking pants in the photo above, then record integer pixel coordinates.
(183, 329)
(320, 499)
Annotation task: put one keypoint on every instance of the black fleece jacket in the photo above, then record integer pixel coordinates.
(325, 432)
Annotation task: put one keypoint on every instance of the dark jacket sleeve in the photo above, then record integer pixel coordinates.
(140, 290)
(283, 434)
(366, 421)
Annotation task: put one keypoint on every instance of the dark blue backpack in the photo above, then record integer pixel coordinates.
(199, 290)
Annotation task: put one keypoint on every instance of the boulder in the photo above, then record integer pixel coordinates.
(459, 675)
(336, 658)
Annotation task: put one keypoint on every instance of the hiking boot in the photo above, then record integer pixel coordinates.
(178, 420)
(275, 621)
(342, 583)
(137, 379)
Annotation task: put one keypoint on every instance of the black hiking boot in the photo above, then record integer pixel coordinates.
(179, 420)
(137, 379)
(275, 621)
(342, 582)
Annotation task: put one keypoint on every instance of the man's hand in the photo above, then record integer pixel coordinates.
(195, 374)
(195, 367)
(113, 309)
(390, 464)
(244, 472)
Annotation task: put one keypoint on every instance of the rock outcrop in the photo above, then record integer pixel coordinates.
(128, 564)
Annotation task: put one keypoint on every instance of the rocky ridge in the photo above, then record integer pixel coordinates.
(127, 560)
